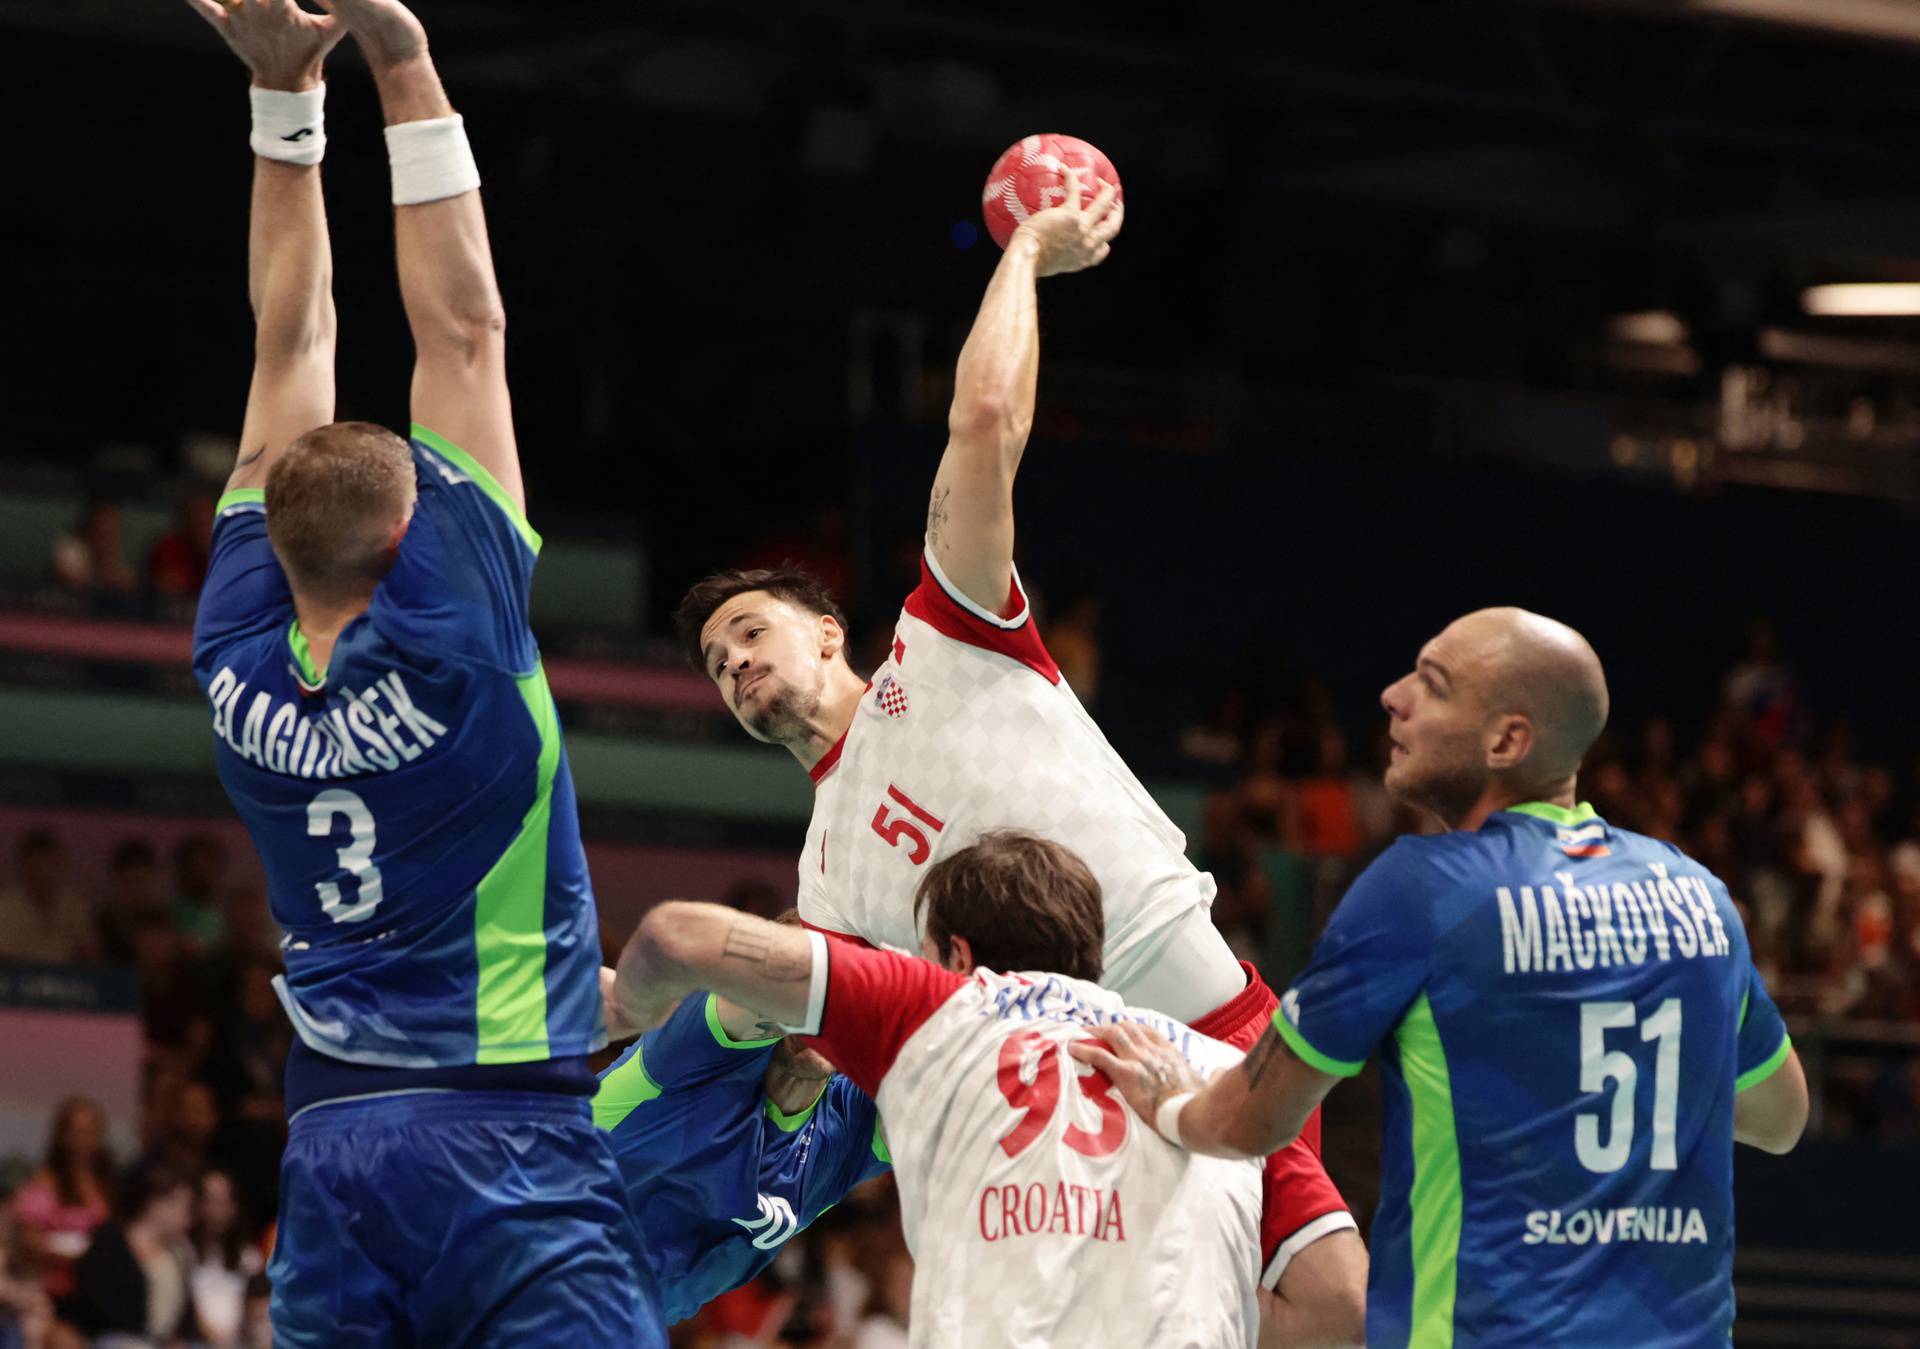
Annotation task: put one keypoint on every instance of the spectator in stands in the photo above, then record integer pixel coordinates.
(1326, 802)
(885, 1324)
(93, 558)
(225, 1261)
(185, 1135)
(133, 1280)
(26, 1312)
(199, 864)
(173, 1009)
(1073, 639)
(41, 918)
(245, 1069)
(63, 1203)
(177, 564)
(133, 894)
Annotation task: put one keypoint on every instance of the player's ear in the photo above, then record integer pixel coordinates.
(833, 637)
(1509, 742)
(959, 955)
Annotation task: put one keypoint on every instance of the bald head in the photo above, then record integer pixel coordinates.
(1524, 663)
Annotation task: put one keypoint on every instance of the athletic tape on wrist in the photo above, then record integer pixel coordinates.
(289, 127)
(431, 160)
(1166, 1120)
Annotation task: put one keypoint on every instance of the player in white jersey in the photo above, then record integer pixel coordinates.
(1040, 1211)
(967, 726)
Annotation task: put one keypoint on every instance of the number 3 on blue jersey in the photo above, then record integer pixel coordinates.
(1600, 1065)
(356, 859)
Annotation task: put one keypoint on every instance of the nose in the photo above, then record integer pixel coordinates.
(1391, 699)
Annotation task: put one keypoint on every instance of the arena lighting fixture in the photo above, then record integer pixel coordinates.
(1654, 327)
(1877, 299)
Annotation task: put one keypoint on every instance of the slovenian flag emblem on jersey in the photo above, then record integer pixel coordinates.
(1589, 840)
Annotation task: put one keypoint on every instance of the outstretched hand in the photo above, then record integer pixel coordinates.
(1078, 233)
(387, 31)
(282, 44)
(1141, 1062)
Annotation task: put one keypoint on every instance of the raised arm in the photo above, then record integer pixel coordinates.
(970, 515)
(1253, 1109)
(445, 262)
(289, 259)
(765, 968)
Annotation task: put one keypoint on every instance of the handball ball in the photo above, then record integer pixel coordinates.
(1028, 178)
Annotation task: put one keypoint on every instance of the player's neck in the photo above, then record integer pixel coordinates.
(841, 701)
(322, 624)
(791, 1093)
(1501, 796)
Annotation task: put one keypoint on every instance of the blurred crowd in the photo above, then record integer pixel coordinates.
(91, 558)
(167, 1246)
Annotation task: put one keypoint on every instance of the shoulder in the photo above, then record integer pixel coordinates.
(1434, 859)
(1012, 633)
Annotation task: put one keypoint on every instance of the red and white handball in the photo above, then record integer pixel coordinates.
(1029, 177)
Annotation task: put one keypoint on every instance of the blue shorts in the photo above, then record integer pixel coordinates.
(456, 1219)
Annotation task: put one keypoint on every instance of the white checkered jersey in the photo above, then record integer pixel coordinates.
(967, 727)
(1040, 1210)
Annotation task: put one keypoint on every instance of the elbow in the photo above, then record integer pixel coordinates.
(1783, 1137)
(287, 335)
(662, 945)
(472, 336)
(988, 417)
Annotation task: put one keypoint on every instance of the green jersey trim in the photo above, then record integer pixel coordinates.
(623, 1090)
(1546, 810)
(482, 479)
(720, 1035)
(303, 657)
(880, 1150)
(790, 1123)
(1312, 1057)
(1760, 1072)
(241, 496)
(1434, 1199)
(509, 912)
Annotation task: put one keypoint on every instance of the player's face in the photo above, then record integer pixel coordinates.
(769, 659)
(1437, 725)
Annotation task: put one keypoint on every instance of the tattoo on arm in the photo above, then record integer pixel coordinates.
(937, 513)
(1271, 1046)
(752, 947)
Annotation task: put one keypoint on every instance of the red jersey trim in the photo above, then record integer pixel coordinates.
(843, 936)
(1255, 1000)
(936, 603)
(831, 759)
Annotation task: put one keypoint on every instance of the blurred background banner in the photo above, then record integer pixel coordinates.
(66, 1031)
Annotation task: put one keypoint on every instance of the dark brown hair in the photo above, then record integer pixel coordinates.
(1022, 902)
(331, 500)
(793, 584)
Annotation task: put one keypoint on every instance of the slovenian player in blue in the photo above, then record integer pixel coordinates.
(383, 728)
(1571, 1029)
(729, 1143)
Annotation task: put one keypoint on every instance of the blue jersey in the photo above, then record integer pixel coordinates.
(718, 1177)
(411, 803)
(1565, 1012)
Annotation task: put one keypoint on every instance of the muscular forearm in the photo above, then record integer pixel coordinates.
(290, 266)
(445, 260)
(1257, 1107)
(682, 946)
(994, 382)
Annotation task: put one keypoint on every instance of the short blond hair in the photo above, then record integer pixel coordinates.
(332, 501)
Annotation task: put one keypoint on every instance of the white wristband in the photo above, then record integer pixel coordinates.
(431, 160)
(289, 127)
(1166, 1120)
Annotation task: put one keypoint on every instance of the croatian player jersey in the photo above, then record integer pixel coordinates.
(1567, 1012)
(719, 1178)
(1039, 1209)
(411, 803)
(968, 727)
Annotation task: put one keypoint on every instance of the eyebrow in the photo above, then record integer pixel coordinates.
(1432, 666)
(707, 651)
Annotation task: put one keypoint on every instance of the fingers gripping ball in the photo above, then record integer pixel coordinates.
(1027, 178)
